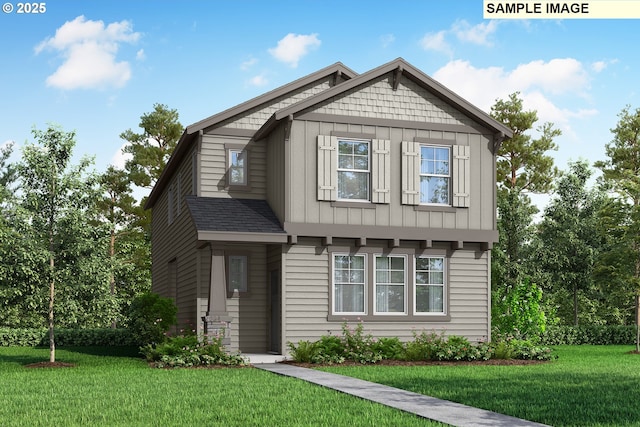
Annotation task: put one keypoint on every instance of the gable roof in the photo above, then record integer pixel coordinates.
(401, 67)
(339, 70)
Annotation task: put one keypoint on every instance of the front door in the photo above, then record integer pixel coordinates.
(276, 311)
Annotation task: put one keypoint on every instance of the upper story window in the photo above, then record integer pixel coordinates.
(435, 175)
(237, 167)
(353, 170)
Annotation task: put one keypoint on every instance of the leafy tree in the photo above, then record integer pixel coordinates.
(621, 171)
(152, 148)
(568, 234)
(58, 201)
(523, 166)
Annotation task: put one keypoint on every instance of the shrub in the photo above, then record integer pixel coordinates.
(358, 346)
(104, 337)
(189, 350)
(424, 346)
(388, 348)
(150, 317)
(518, 310)
(304, 352)
(590, 334)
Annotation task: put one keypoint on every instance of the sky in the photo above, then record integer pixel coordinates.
(95, 66)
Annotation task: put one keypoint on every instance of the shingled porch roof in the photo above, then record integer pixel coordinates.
(235, 220)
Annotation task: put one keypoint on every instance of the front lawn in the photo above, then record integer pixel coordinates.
(109, 387)
(586, 386)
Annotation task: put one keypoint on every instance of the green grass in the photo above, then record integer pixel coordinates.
(586, 386)
(111, 388)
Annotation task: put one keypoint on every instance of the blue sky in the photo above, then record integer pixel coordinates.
(96, 66)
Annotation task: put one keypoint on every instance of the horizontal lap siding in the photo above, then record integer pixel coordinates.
(213, 166)
(307, 297)
(176, 241)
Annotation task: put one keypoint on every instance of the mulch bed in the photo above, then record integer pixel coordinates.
(387, 362)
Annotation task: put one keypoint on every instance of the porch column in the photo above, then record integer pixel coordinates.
(217, 321)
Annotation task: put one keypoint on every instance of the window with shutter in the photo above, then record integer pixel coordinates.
(327, 167)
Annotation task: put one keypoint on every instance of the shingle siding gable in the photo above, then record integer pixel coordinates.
(410, 102)
(254, 118)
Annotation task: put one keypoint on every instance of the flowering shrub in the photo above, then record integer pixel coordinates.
(190, 350)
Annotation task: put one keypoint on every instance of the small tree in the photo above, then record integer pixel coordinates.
(57, 198)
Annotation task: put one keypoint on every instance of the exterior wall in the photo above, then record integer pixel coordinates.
(305, 208)
(256, 117)
(213, 162)
(175, 241)
(275, 152)
(307, 301)
(410, 102)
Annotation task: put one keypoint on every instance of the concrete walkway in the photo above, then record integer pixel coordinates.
(428, 407)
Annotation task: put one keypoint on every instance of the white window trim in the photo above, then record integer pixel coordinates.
(448, 176)
(333, 285)
(375, 286)
(339, 169)
(444, 287)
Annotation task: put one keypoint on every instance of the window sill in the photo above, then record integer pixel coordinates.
(388, 318)
(434, 208)
(237, 188)
(345, 204)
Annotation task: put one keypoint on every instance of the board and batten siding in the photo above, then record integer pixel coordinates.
(306, 301)
(213, 166)
(275, 152)
(175, 241)
(304, 206)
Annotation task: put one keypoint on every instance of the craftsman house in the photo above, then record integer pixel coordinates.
(339, 196)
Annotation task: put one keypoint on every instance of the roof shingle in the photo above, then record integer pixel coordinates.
(233, 215)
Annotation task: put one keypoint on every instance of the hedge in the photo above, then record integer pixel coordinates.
(590, 334)
(35, 337)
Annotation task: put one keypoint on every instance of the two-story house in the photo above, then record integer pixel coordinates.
(339, 196)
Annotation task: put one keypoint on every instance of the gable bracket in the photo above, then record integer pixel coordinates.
(497, 141)
(336, 77)
(396, 77)
(287, 128)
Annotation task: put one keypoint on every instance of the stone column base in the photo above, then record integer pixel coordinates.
(218, 325)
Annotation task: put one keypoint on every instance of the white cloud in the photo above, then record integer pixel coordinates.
(140, 55)
(89, 50)
(293, 47)
(387, 39)
(120, 157)
(537, 82)
(436, 42)
(259, 80)
(248, 64)
(476, 34)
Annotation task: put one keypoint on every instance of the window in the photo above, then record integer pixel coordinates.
(349, 283)
(237, 167)
(237, 273)
(430, 285)
(390, 284)
(434, 175)
(353, 170)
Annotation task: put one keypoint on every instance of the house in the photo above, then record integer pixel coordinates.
(337, 197)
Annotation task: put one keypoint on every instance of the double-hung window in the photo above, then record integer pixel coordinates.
(353, 170)
(391, 284)
(435, 175)
(349, 283)
(430, 282)
(237, 167)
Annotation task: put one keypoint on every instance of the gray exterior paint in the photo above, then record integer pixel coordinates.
(289, 256)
